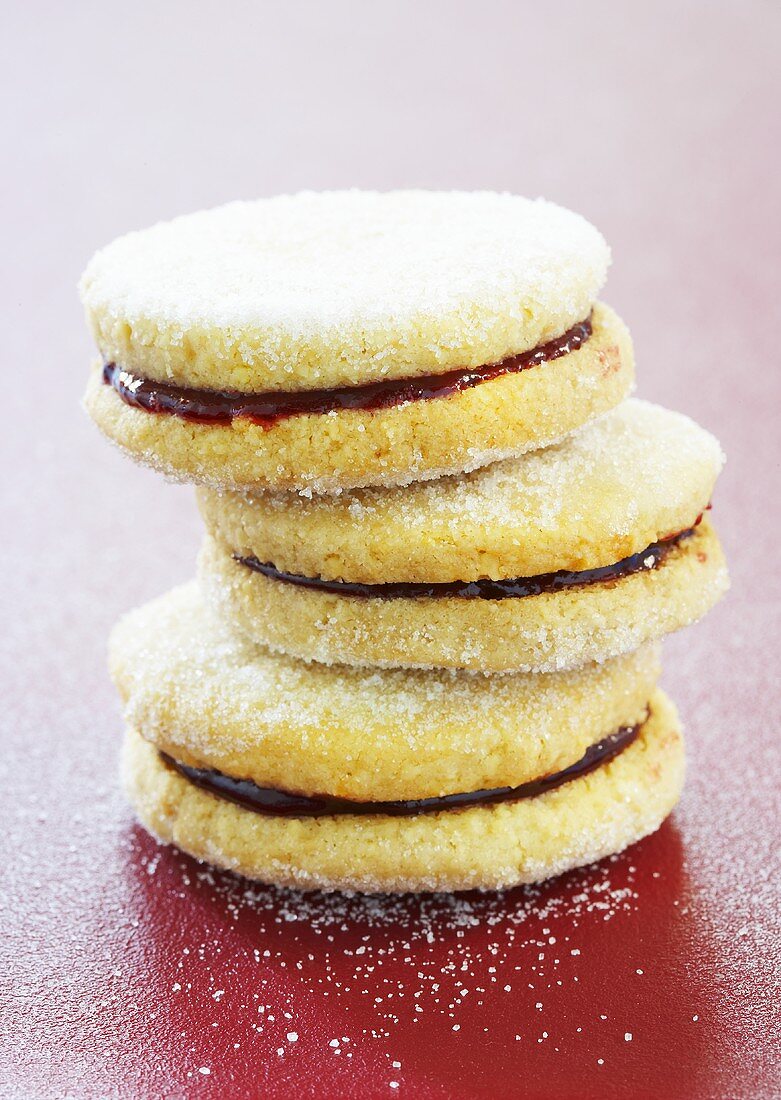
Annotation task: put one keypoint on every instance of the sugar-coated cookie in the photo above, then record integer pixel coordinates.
(567, 555)
(327, 341)
(211, 699)
(480, 847)
(550, 631)
(441, 544)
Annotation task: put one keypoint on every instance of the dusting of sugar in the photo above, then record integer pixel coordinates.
(406, 957)
(317, 265)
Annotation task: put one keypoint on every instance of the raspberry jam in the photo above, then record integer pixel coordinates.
(649, 558)
(223, 406)
(267, 800)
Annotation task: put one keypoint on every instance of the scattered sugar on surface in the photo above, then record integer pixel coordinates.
(405, 957)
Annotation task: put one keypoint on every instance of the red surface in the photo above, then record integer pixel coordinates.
(657, 123)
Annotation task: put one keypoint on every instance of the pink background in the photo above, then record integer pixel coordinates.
(659, 123)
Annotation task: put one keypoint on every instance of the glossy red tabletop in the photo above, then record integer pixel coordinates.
(127, 970)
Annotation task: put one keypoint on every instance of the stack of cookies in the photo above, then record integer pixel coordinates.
(442, 545)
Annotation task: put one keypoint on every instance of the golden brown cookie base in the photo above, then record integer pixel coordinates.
(554, 630)
(393, 446)
(480, 848)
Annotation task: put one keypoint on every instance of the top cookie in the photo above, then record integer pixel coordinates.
(326, 342)
(341, 288)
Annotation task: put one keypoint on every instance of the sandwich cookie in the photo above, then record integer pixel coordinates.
(564, 556)
(327, 341)
(329, 778)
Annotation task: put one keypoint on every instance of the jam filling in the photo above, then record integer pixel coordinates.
(267, 800)
(265, 409)
(649, 558)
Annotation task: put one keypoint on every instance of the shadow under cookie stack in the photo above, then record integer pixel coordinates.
(442, 543)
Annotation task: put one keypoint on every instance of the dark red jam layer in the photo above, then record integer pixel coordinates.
(266, 800)
(649, 558)
(220, 407)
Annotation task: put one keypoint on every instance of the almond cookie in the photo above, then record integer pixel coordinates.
(567, 555)
(328, 341)
(620, 790)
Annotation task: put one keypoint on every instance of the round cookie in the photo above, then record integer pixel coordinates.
(310, 301)
(485, 847)
(616, 494)
(210, 699)
(341, 288)
(542, 633)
